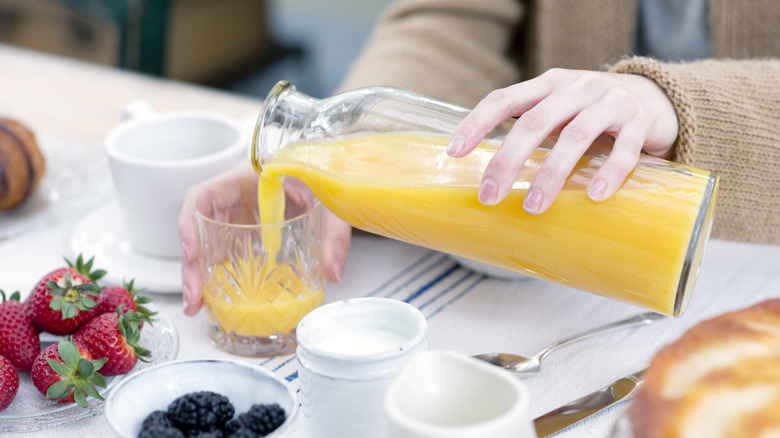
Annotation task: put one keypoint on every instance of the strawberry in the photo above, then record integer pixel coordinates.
(63, 300)
(66, 372)
(114, 296)
(19, 341)
(114, 336)
(9, 383)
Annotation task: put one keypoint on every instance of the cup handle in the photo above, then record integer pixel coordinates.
(137, 109)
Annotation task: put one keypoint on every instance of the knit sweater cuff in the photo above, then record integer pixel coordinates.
(729, 124)
(686, 116)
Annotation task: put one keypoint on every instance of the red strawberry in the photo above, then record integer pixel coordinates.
(9, 383)
(19, 341)
(114, 296)
(114, 336)
(66, 372)
(62, 301)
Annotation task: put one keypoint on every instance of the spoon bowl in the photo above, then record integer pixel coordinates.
(526, 366)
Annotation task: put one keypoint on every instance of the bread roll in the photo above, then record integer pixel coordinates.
(721, 378)
(21, 163)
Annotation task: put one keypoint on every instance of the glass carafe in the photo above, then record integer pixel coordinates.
(376, 157)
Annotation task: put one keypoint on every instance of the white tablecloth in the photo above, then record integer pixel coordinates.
(467, 312)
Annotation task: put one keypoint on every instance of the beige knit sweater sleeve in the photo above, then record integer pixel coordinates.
(454, 50)
(729, 114)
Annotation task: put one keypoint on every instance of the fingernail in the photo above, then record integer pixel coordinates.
(185, 252)
(185, 295)
(338, 271)
(597, 189)
(456, 145)
(532, 201)
(488, 192)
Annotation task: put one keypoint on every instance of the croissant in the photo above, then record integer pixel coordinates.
(21, 163)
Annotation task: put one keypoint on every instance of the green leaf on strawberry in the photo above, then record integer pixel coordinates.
(14, 296)
(79, 375)
(129, 327)
(143, 312)
(70, 299)
(85, 269)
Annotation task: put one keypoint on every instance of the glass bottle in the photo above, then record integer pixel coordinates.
(376, 157)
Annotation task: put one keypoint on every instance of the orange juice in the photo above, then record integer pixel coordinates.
(255, 305)
(641, 246)
(256, 288)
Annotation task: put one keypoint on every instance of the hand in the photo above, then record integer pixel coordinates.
(336, 238)
(632, 109)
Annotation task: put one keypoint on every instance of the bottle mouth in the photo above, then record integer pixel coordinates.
(261, 144)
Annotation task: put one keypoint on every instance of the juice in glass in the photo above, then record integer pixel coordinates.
(260, 265)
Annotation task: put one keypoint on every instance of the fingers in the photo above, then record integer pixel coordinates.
(337, 236)
(188, 239)
(192, 290)
(494, 109)
(585, 105)
(574, 140)
(620, 162)
(525, 136)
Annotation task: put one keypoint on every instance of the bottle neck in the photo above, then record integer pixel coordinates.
(282, 119)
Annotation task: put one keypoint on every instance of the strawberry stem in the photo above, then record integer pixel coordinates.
(70, 299)
(85, 269)
(79, 375)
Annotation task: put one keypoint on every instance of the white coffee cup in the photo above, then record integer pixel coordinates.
(444, 394)
(154, 158)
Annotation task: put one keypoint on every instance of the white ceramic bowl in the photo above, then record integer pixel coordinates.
(154, 388)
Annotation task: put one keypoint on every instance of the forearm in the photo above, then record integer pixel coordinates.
(729, 121)
(454, 50)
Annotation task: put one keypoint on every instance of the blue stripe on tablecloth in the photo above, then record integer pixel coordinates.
(474, 284)
(407, 282)
(431, 283)
(466, 276)
(401, 274)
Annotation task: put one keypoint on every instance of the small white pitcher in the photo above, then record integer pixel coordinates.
(444, 394)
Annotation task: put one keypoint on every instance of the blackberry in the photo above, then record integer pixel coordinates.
(204, 411)
(231, 426)
(156, 418)
(157, 431)
(206, 434)
(242, 432)
(262, 419)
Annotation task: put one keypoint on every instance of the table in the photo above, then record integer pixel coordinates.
(466, 311)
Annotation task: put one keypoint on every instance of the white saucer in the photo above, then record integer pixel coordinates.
(101, 234)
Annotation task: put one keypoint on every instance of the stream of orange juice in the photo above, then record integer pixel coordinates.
(266, 301)
(631, 247)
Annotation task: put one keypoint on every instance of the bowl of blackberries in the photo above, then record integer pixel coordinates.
(202, 399)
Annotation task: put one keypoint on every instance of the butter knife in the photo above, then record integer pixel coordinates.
(591, 404)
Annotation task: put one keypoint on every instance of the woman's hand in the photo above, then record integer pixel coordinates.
(336, 238)
(632, 109)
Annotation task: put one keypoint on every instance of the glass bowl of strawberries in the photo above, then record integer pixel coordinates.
(70, 341)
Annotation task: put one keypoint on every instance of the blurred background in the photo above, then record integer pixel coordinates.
(243, 46)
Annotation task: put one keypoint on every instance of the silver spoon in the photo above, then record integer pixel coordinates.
(526, 366)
